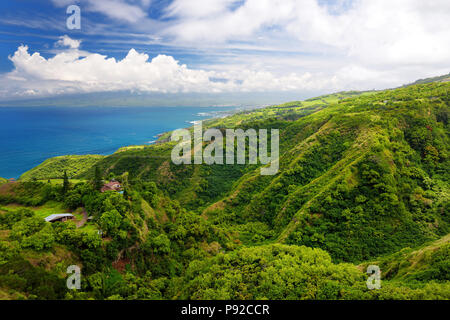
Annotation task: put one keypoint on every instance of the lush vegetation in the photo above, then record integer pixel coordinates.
(363, 180)
(54, 168)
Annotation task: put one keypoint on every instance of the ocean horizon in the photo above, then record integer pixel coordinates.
(30, 135)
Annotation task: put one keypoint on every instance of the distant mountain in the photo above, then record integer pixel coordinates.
(136, 99)
(444, 78)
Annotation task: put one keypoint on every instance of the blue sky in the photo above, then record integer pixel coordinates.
(39, 24)
(219, 46)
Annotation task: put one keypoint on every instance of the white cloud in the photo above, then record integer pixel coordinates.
(75, 71)
(115, 9)
(256, 45)
(394, 31)
(378, 35)
(66, 41)
(198, 9)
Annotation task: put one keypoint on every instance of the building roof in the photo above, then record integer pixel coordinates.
(111, 186)
(57, 216)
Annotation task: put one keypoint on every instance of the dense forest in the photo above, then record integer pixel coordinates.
(363, 180)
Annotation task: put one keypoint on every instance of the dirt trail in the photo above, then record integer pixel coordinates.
(83, 221)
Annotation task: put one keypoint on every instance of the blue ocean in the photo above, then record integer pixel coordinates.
(30, 135)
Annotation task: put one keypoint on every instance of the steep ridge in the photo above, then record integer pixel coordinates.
(360, 174)
(363, 179)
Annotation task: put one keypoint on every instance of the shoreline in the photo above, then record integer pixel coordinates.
(209, 115)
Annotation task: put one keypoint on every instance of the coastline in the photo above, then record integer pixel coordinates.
(33, 158)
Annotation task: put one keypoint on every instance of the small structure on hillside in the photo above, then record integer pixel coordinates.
(111, 186)
(59, 217)
(12, 180)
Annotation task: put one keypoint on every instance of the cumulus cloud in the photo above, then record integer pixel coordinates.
(66, 41)
(377, 35)
(75, 71)
(257, 45)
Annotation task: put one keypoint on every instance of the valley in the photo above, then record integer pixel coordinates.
(363, 180)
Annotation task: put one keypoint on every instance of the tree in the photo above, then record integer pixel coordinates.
(110, 221)
(97, 182)
(65, 183)
(73, 199)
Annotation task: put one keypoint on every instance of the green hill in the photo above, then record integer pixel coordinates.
(360, 177)
(54, 168)
(363, 177)
(444, 78)
(429, 262)
(284, 272)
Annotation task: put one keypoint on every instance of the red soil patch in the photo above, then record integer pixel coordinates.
(7, 188)
(121, 264)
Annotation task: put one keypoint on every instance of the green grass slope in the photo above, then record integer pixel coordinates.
(361, 174)
(429, 262)
(360, 178)
(54, 168)
(443, 78)
(363, 179)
